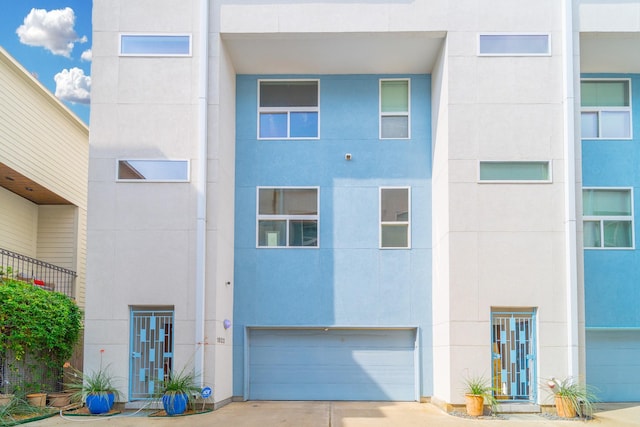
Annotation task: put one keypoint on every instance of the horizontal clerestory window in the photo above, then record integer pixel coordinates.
(606, 109)
(517, 171)
(287, 217)
(155, 45)
(153, 170)
(500, 44)
(608, 218)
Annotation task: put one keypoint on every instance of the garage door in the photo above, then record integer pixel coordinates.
(613, 364)
(336, 364)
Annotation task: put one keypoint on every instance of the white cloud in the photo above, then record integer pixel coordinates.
(86, 55)
(73, 86)
(52, 30)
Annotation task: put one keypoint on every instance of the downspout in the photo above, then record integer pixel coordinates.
(570, 192)
(201, 191)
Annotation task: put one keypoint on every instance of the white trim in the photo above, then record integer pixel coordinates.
(395, 113)
(602, 218)
(287, 218)
(188, 179)
(200, 281)
(286, 110)
(392, 223)
(524, 54)
(599, 110)
(178, 55)
(549, 180)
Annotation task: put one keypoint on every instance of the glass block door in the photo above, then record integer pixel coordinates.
(151, 351)
(514, 358)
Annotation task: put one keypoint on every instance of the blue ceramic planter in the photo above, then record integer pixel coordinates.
(100, 403)
(175, 404)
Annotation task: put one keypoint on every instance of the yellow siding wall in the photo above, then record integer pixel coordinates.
(43, 140)
(18, 223)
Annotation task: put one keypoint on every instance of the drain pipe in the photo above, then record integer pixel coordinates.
(201, 192)
(568, 80)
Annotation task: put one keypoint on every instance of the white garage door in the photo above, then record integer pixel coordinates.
(613, 364)
(336, 364)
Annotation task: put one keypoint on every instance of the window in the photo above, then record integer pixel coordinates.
(287, 217)
(394, 109)
(155, 45)
(514, 44)
(608, 218)
(606, 109)
(288, 109)
(395, 230)
(153, 170)
(515, 171)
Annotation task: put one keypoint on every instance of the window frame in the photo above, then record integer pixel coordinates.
(525, 54)
(599, 110)
(394, 113)
(118, 179)
(549, 180)
(382, 223)
(156, 55)
(287, 110)
(602, 218)
(287, 218)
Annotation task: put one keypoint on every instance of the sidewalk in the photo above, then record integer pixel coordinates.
(346, 414)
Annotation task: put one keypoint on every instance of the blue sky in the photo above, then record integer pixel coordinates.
(52, 40)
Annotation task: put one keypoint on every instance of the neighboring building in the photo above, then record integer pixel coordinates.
(367, 201)
(44, 159)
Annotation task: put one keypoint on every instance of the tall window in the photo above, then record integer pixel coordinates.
(608, 218)
(395, 230)
(606, 109)
(288, 109)
(287, 217)
(394, 109)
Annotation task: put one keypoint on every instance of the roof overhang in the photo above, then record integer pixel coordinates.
(334, 53)
(23, 186)
(610, 52)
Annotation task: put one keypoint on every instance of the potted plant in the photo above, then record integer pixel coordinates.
(477, 391)
(572, 398)
(95, 389)
(176, 389)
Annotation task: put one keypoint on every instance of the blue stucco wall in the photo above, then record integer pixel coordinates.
(612, 277)
(348, 280)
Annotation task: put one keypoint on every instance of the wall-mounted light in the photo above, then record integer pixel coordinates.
(226, 323)
(347, 156)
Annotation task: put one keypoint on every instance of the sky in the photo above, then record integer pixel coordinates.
(52, 40)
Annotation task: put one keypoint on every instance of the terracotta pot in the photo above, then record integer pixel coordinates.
(5, 399)
(564, 407)
(59, 400)
(475, 404)
(37, 399)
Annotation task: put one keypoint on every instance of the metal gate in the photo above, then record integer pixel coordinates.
(514, 358)
(151, 351)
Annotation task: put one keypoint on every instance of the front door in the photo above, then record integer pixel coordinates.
(151, 351)
(514, 361)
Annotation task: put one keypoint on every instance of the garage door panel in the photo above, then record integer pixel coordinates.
(613, 364)
(332, 365)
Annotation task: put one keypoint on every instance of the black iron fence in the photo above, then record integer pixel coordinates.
(40, 273)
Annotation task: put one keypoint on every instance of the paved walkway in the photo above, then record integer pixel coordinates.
(345, 414)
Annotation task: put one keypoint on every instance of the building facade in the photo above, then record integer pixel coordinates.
(373, 201)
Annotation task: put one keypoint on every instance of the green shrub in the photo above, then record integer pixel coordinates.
(42, 324)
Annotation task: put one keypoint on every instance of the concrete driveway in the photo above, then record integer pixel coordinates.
(344, 414)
